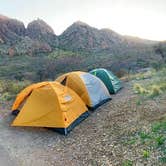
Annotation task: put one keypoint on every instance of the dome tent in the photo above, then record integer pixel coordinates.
(22, 96)
(112, 83)
(91, 89)
(49, 104)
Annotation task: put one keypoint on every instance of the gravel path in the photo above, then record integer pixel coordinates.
(96, 141)
(5, 159)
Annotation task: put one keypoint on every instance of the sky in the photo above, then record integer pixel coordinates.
(141, 18)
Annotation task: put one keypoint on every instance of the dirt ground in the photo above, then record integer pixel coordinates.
(98, 140)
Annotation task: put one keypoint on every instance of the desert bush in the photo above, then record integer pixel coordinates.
(4, 86)
(60, 53)
(143, 75)
(12, 86)
(9, 89)
(139, 89)
(6, 96)
(149, 91)
(155, 91)
(159, 126)
(163, 86)
(127, 163)
(153, 139)
(160, 140)
(144, 135)
(16, 87)
(146, 153)
(155, 87)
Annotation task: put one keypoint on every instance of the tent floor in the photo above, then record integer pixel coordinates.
(63, 131)
(67, 130)
(98, 105)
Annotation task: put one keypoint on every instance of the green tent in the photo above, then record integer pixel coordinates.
(112, 83)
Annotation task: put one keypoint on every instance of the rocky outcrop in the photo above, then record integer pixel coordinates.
(41, 31)
(39, 37)
(80, 36)
(11, 30)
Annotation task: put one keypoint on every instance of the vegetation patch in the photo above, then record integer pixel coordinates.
(152, 141)
(9, 89)
(153, 89)
(127, 163)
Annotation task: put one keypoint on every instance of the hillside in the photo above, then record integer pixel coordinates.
(37, 49)
(15, 39)
(109, 47)
(81, 36)
(11, 30)
(41, 31)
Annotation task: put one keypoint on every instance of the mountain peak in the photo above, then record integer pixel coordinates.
(107, 30)
(39, 30)
(80, 23)
(11, 30)
(39, 25)
(2, 17)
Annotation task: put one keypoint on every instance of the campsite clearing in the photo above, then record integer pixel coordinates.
(110, 136)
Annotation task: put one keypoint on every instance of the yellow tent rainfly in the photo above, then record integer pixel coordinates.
(49, 104)
(90, 88)
(21, 97)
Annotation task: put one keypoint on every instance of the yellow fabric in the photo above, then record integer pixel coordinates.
(75, 83)
(24, 94)
(52, 105)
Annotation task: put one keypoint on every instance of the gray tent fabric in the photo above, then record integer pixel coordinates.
(96, 89)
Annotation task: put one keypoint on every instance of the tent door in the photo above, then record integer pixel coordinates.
(63, 82)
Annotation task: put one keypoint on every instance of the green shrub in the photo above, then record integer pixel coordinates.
(138, 102)
(16, 87)
(162, 159)
(160, 140)
(127, 163)
(156, 86)
(163, 86)
(9, 89)
(160, 126)
(142, 76)
(146, 153)
(139, 89)
(144, 135)
(6, 96)
(155, 91)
